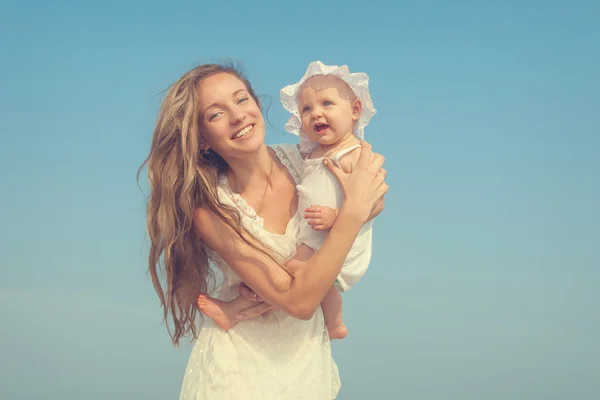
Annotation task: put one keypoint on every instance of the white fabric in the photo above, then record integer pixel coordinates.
(338, 156)
(272, 357)
(358, 82)
(320, 187)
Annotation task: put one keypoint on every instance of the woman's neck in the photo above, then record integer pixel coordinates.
(251, 170)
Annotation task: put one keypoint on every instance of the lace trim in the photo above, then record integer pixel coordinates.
(239, 201)
(285, 160)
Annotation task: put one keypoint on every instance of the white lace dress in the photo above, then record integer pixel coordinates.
(269, 357)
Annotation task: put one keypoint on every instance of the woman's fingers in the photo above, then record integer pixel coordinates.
(379, 178)
(248, 293)
(377, 163)
(381, 191)
(254, 311)
(378, 208)
(364, 160)
(335, 170)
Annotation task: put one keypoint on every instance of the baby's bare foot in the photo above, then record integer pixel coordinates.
(339, 332)
(219, 311)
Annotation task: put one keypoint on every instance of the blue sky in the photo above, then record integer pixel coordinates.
(484, 279)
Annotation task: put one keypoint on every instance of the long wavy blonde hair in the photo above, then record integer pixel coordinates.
(182, 178)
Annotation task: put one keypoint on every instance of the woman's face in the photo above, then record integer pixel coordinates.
(231, 122)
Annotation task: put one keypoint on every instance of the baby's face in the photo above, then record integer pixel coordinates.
(328, 109)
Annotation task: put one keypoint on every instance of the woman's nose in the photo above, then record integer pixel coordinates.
(237, 117)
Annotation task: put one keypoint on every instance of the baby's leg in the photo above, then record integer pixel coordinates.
(331, 304)
(224, 312)
(332, 312)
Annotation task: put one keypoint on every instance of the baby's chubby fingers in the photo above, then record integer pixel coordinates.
(314, 209)
(316, 221)
(313, 215)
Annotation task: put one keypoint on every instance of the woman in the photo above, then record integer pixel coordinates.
(219, 193)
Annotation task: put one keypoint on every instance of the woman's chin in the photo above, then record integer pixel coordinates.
(251, 143)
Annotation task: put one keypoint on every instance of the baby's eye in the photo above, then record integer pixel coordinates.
(306, 109)
(328, 103)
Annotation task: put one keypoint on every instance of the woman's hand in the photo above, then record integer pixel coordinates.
(248, 293)
(365, 186)
(261, 308)
(377, 210)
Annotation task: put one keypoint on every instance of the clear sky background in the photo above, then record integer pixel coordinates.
(485, 275)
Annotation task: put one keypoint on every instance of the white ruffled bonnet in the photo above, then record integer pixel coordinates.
(358, 82)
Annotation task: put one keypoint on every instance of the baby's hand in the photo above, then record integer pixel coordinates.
(321, 217)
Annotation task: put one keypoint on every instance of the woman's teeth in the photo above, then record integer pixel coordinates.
(243, 132)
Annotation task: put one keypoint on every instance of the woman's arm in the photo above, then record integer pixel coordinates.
(310, 283)
(363, 188)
